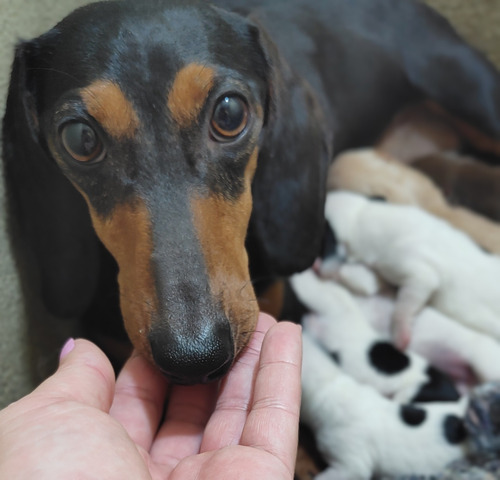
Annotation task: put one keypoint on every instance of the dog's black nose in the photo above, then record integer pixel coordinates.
(192, 358)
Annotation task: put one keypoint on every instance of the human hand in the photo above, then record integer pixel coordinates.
(78, 424)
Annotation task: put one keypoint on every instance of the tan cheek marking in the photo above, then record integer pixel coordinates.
(127, 236)
(221, 228)
(108, 105)
(271, 301)
(189, 92)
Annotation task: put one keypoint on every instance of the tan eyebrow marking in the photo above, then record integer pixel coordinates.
(107, 103)
(189, 92)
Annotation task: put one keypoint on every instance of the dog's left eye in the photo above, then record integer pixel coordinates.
(82, 142)
(230, 118)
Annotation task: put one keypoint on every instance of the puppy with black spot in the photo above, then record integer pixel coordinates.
(340, 327)
(360, 433)
(453, 348)
(429, 261)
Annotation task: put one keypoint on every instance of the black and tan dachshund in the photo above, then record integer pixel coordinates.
(192, 140)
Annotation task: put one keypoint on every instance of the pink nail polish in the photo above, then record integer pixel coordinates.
(68, 347)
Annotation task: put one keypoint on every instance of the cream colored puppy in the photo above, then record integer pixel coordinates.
(426, 258)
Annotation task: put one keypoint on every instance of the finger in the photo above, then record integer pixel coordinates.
(139, 400)
(84, 375)
(188, 411)
(273, 421)
(226, 423)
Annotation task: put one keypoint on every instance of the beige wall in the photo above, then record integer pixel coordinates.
(476, 20)
(20, 364)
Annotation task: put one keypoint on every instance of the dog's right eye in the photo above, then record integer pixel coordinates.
(82, 142)
(230, 118)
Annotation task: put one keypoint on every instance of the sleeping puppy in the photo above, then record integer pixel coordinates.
(446, 344)
(430, 262)
(360, 433)
(341, 328)
(372, 173)
(465, 181)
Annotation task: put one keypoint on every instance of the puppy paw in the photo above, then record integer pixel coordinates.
(359, 279)
(401, 334)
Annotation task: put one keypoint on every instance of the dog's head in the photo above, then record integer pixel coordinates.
(179, 129)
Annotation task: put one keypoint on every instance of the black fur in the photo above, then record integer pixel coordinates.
(439, 387)
(412, 415)
(387, 359)
(454, 430)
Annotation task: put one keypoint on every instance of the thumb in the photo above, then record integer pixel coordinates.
(85, 375)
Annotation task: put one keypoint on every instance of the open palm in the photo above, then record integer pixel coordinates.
(79, 424)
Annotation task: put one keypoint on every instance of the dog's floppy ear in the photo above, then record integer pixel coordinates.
(290, 182)
(44, 207)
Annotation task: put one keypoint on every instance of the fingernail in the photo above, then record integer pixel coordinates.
(68, 347)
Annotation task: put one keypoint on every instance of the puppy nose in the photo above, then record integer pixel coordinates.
(189, 358)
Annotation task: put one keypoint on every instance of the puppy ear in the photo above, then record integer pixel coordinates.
(44, 207)
(290, 182)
